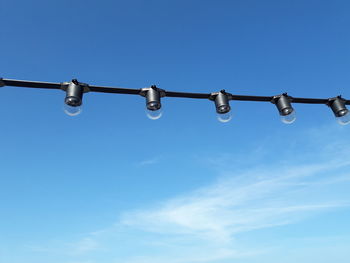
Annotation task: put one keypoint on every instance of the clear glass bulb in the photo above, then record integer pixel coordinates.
(290, 118)
(72, 110)
(154, 114)
(224, 117)
(345, 119)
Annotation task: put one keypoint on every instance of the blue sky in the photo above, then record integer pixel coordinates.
(112, 186)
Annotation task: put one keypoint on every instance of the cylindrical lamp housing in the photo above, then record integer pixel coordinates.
(338, 106)
(283, 105)
(74, 94)
(153, 99)
(222, 103)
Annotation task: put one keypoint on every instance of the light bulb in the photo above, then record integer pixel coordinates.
(290, 118)
(154, 114)
(153, 110)
(153, 104)
(344, 119)
(224, 117)
(222, 107)
(72, 110)
(74, 99)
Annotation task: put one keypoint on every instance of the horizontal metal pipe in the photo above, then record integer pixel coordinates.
(114, 90)
(187, 95)
(251, 98)
(31, 84)
(309, 100)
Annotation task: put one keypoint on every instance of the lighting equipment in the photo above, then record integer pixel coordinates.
(339, 109)
(222, 105)
(75, 90)
(153, 104)
(284, 106)
(74, 98)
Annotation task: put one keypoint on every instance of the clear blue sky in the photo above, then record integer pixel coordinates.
(111, 186)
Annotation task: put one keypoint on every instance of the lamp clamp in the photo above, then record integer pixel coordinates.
(213, 95)
(85, 86)
(277, 97)
(144, 91)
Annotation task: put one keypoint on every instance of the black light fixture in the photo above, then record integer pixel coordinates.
(74, 97)
(75, 90)
(222, 105)
(285, 109)
(153, 104)
(337, 104)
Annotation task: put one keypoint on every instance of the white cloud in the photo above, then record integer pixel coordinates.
(205, 224)
(238, 204)
(150, 161)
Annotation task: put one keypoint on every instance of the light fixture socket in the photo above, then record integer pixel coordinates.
(221, 100)
(74, 92)
(337, 104)
(153, 96)
(283, 104)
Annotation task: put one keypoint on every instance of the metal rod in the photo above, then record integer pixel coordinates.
(251, 98)
(31, 84)
(114, 90)
(309, 101)
(187, 95)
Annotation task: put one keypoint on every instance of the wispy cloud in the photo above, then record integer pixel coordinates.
(150, 161)
(205, 225)
(214, 215)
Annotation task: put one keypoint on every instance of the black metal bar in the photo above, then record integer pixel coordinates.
(309, 101)
(187, 95)
(251, 98)
(114, 90)
(31, 84)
